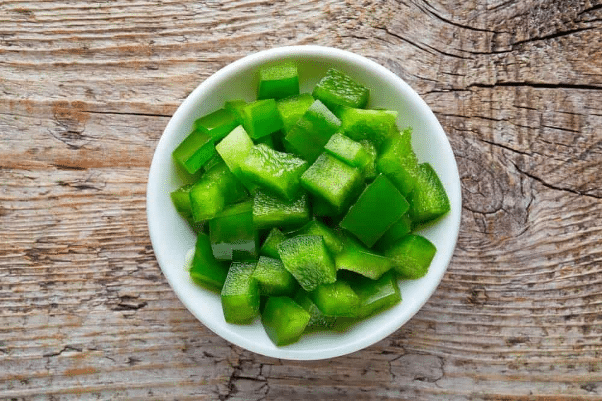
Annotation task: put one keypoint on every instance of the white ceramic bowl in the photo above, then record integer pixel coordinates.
(172, 239)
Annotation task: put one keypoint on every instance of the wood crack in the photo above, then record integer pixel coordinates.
(537, 85)
(552, 186)
(554, 35)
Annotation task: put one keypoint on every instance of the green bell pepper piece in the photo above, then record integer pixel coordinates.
(312, 131)
(318, 320)
(270, 245)
(276, 171)
(194, 151)
(236, 106)
(273, 278)
(271, 211)
(278, 81)
(356, 258)
(216, 188)
(331, 239)
(332, 180)
(261, 118)
(206, 271)
(428, 200)
(284, 320)
(308, 260)
(412, 256)
(397, 231)
(377, 209)
(233, 149)
(336, 299)
(375, 295)
(233, 234)
(398, 162)
(217, 124)
(337, 88)
(374, 125)
(347, 150)
(240, 294)
(292, 108)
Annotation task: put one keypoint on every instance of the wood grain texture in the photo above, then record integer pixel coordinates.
(86, 89)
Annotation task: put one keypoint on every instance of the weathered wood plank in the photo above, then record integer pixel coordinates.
(86, 90)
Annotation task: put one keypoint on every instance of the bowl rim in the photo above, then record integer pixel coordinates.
(263, 57)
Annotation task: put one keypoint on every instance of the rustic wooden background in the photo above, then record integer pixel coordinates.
(86, 89)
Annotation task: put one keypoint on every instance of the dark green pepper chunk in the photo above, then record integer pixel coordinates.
(292, 108)
(339, 89)
(276, 171)
(261, 118)
(398, 162)
(240, 294)
(374, 125)
(336, 299)
(217, 124)
(412, 256)
(332, 180)
(194, 151)
(318, 320)
(312, 131)
(397, 231)
(271, 211)
(284, 320)
(233, 233)
(270, 245)
(428, 200)
(273, 278)
(375, 295)
(308, 260)
(278, 81)
(358, 259)
(206, 271)
(377, 209)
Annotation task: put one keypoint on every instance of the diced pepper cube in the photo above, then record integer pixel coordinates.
(271, 211)
(217, 124)
(397, 231)
(347, 150)
(338, 89)
(240, 294)
(273, 278)
(356, 258)
(318, 320)
(312, 131)
(398, 162)
(206, 271)
(216, 188)
(428, 200)
(233, 149)
(233, 234)
(308, 260)
(332, 180)
(412, 256)
(261, 118)
(369, 171)
(236, 106)
(373, 125)
(292, 108)
(336, 299)
(194, 151)
(270, 245)
(284, 320)
(331, 239)
(375, 295)
(276, 171)
(377, 208)
(278, 81)
(181, 200)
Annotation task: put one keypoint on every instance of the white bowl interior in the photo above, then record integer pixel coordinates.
(172, 239)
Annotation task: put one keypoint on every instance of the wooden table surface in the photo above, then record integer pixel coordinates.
(86, 89)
